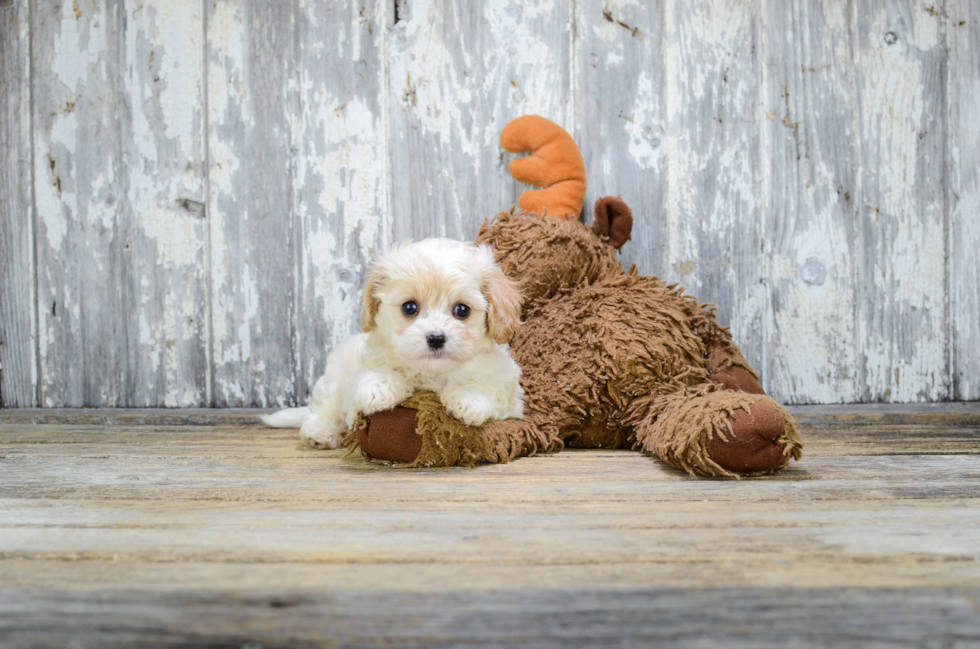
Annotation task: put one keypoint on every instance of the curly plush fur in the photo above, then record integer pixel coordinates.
(632, 355)
(611, 359)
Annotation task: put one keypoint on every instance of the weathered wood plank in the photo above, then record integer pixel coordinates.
(567, 477)
(955, 414)
(118, 179)
(18, 350)
(901, 301)
(280, 544)
(963, 199)
(372, 530)
(458, 71)
(231, 443)
(584, 617)
(811, 168)
(296, 137)
(341, 176)
(669, 103)
(620, 121)
(77, 574)
(889, 413)
(714, 211)
(255, 241)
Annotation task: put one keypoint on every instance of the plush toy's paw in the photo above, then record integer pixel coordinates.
(758, 441)
(375, 394)
(390, 435)
(737, 378)
(421, 433)
(471, 409)
(321, 434)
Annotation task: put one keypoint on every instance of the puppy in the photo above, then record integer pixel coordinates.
(438, 315)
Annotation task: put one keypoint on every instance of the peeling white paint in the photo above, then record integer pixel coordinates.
(78, 48)
(830, 260)
(642, 123)
(454, 95)
(904, 343)
(713, 209)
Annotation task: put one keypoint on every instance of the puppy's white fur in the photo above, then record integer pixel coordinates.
(472, 372)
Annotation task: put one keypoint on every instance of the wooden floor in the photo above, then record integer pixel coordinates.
(199, 528)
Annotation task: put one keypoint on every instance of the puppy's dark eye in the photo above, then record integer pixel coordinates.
(461, 311)
(410, 309)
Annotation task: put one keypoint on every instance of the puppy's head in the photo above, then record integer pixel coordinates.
(438, 303)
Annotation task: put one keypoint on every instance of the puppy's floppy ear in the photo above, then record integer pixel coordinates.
(372, 302)
(503, 297)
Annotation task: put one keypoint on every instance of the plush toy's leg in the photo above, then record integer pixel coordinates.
(723, 358)
(717, 432)
(737, 378)
(420, 432)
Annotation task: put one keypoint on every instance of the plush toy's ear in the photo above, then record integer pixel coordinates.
(613, 220)
(371, 300)
(504, 300)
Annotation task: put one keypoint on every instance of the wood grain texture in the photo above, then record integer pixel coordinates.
(18, 349)
(342, 173)
(653, 616)
(714, 207)
(963, 198)
(902, 277)
(811, 182)
(948, 414)
(458, 71)
(119, 184)
(171, 533)
(620, 118)
(255, 238)
(297, 187)
(212, 179)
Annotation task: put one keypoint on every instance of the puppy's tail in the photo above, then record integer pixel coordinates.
(287, 417)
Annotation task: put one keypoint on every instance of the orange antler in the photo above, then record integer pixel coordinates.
(555, 164)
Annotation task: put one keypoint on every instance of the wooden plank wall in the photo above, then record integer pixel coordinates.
(18, 359)
(191, 190)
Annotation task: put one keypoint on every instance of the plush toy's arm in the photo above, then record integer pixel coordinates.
(420, 433)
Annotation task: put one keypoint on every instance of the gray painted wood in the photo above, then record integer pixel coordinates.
(18, 360)
(620, 118)
(714, 202)
(458, 71)
(255, 240)
(811, 190)
(210, 189)
(297, 187)
(119, 185)
(901, 288)
(963, 198)
(342, 173)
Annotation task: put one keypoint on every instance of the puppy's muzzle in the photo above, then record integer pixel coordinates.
(436, 340)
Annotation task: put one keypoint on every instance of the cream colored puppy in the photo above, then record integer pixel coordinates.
(438, 315)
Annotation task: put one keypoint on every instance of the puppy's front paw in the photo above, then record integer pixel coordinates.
(471, 409)
(321, 434)
(377, 394)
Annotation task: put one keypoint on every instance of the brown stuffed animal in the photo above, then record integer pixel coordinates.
(611, 359)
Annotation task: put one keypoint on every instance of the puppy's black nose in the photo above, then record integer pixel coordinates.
(436, 341)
